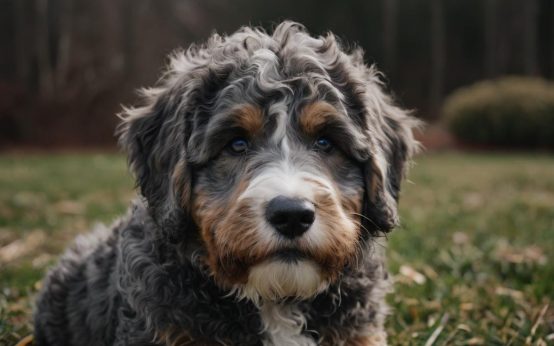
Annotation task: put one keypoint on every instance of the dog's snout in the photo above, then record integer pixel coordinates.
(290, 216)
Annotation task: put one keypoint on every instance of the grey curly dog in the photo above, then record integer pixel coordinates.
(268, 165)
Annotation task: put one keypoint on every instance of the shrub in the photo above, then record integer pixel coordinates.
(509, 112)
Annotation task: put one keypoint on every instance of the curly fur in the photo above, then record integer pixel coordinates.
(161, 276)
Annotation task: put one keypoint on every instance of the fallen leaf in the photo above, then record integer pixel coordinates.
(504, 291)
(413, 275)
(69, 207)
(21, 247)
(476, 341)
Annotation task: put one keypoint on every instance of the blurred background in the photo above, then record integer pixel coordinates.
(473, 259)
(67, 65)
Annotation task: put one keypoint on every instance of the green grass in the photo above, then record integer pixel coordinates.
(480, 229)
(472, 261)
(45, 201)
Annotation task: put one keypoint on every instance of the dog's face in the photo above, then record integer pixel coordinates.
(278, 197)
(282, 152)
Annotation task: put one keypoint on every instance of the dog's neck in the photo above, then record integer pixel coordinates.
(284, 324)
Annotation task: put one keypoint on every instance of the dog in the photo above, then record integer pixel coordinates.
(267, 165)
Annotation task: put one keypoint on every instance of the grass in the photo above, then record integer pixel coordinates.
(474, 256)
(472, 261)
(45, 201)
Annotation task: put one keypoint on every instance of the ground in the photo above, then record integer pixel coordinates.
(472, 261)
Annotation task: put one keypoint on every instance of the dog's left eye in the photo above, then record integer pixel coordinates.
(238, 145)
(323, 144)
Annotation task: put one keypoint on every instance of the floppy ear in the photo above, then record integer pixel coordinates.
(393, 145)
(156, 134)
(153, 136)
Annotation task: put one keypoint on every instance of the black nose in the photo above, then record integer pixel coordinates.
(290, 216)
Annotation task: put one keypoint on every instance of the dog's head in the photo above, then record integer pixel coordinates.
(280, 152)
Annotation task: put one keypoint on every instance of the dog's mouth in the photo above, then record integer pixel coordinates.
(289, 255)
(287, 273)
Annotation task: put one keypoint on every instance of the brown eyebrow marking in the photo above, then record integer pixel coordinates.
(315, 115)
(249, 117)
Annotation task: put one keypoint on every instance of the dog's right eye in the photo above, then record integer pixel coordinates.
(323, 144)
(238, 145)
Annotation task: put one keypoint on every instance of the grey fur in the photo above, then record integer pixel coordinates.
(143, 280)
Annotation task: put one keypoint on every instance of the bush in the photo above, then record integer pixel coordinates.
(508, 112)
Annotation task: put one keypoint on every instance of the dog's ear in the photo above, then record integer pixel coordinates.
(392, 147)
(154, 137)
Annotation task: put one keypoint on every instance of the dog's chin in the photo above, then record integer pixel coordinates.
(283, 277)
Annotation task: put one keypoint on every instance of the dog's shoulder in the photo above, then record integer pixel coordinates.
(79, 293)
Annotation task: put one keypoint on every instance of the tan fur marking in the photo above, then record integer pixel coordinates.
(341, 228)
(352, 204)
(249, 117)
(376, 182)
(233, 249)
(236, 244)
(315, 115)
(173, 337)
(340, 249)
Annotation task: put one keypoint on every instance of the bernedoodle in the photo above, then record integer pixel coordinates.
(268, 165)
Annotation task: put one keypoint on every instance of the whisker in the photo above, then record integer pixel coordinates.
(368, 219)
(359, 224)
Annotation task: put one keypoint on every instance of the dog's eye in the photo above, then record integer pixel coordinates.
(238, 145)
(323, 144)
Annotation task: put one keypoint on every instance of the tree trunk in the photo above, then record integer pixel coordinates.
(44, 63)
(389, 34)
(21, 40)
(128, 36)
(65, 27)
(551, 7)
(530, 37)
(491, 37)
(111, 36)
(437, 55)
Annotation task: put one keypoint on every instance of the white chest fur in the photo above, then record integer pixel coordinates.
(283, 324)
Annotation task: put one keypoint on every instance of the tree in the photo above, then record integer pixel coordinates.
(437, 54)
(530, 37)
(389, 34)
(44, 54)
(22, 50)
(65, 26)
(491, 37)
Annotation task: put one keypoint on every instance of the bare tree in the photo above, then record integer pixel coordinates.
(128, 29)
(389, 34)
(551, 6)
(22, 50)
(491, 37)
(530, 36)
(65, 27)
(437, 54)
(42, 36)
(111, 35)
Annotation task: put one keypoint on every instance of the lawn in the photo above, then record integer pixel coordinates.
(472, 261)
